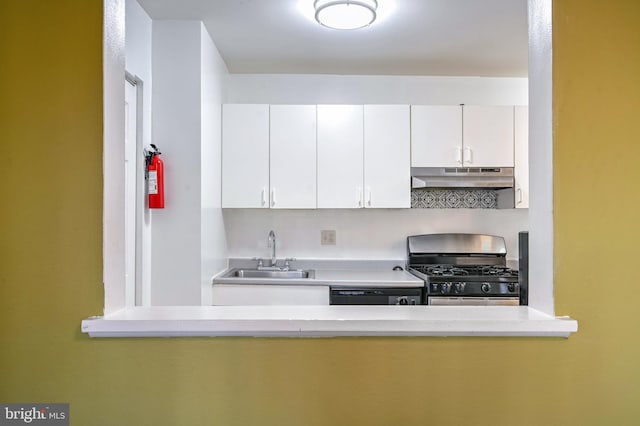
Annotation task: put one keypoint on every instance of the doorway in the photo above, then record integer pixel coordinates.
(137, 218)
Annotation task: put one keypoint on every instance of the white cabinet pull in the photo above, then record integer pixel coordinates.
(459, 155)
(369, 196)
(519, 192)
(467, 159)
(273, 197)
(359, 196)
(263, 200)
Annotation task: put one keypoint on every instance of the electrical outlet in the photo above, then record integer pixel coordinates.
(328, 237)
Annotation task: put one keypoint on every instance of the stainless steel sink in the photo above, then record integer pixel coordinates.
(279, 274)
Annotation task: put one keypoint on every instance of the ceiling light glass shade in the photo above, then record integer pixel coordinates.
(345, 14)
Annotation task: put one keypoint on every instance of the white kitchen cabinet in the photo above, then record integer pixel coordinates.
(487, 136)
(245, 156)
(436, 135)
(457, 136)
(303, 156)
(269, 156)
(387, 154)
(262, 294)
(521, 167)
(340, 156)
(292, 159)
(363, 156)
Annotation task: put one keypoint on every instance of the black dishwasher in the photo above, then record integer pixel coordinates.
(375, 296)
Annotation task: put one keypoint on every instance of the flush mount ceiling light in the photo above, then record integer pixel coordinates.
(345, 14)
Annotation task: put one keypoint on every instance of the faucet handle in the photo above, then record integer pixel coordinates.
(287, 262)
(260, 261)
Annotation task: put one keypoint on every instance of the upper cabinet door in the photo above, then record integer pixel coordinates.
(436, 136)
(293, 157)
(487, 136)
(245, 156)
(340, 156)
(387, 156)
(521, 167)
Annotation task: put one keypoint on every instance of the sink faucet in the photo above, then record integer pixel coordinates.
(271, 243)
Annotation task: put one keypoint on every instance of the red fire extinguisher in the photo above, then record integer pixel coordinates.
(155, 178)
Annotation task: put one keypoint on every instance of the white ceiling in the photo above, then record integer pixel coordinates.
(412, 37)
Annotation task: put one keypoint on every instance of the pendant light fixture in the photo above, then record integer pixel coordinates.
(345, 14)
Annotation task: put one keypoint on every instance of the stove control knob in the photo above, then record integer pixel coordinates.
(458, 287)
(445, 288)
(485, 287)
(511, 287)
(434, 287)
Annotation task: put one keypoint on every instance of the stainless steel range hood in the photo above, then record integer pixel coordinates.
(462, 177)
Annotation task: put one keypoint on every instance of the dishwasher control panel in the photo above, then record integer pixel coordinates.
(376, 296)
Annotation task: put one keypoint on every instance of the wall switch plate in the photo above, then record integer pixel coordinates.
(328, 238)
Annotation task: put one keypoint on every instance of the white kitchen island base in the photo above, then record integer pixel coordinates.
(328, 321)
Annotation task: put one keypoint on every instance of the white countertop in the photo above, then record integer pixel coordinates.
(336, 278)
(343, 273)
(327, 321)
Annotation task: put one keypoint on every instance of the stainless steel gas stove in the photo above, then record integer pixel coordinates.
(463, 269)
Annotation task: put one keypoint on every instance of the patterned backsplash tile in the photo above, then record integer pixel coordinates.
(454, 199)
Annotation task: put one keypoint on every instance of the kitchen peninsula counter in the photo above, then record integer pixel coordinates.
(328, 321)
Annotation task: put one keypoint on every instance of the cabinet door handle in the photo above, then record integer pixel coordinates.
(273, 197)
(359, 196)
(519, 192)
(459, 155)
(369, 196)
(468, 158)
(263, 200)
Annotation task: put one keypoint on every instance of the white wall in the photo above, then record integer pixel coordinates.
(186, 130)
(369, 234)
(541, 156)
(138, 29)
(354, 89)
(113, 245)
(213, 243)
(176, 131)
(360, 234)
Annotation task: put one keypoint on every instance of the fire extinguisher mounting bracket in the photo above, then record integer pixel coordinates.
(149, 154)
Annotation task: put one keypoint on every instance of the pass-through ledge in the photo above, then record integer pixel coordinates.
(328, 321)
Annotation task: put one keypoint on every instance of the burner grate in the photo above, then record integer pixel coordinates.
(466, 270)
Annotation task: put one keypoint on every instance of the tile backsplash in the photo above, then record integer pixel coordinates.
(454, 199)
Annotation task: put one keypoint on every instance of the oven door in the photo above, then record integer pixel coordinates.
(375, 296)
(472, 301)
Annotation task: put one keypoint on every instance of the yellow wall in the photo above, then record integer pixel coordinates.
(50, 265)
